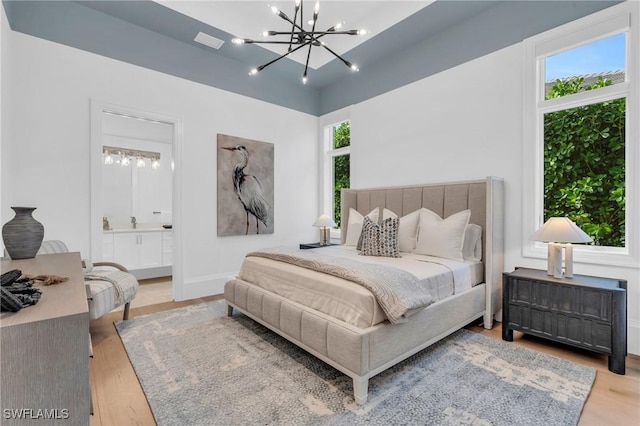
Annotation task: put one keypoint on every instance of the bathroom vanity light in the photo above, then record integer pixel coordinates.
(108, 158)
(128, 154)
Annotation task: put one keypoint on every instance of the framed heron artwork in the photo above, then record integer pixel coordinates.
(245, 186)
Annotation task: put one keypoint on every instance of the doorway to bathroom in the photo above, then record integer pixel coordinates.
(133, 197)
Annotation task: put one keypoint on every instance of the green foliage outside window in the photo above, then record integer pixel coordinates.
(341, 165)
(584, 164)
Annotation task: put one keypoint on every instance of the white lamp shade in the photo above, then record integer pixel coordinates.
(324, 220)
(560, 230)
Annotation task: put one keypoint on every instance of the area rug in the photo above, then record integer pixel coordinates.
(199, 367)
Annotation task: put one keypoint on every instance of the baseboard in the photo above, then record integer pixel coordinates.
(205, 286)
(144, 274)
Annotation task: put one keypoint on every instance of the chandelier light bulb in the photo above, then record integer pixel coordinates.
(237, 40)
(253, 71)
(108, 159)
(140, 163)
(274, 10)
(125, 161)
(265, 34)
(304, 79)
(363, 32)
(155, 164)
(316, 8)
(297, 3)
(339, 25)
(354, 67)
(310, 21)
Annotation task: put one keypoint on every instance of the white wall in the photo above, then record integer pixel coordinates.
(464, 123)
(4, 53)
(49, 141)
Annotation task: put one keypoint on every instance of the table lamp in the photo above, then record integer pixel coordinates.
(325, 223)
(560, 232)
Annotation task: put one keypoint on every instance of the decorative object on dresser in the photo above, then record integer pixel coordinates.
(560, 232)
(586, 312)
(466, 378)
(325, 223)
(45, 348)
(22, 235)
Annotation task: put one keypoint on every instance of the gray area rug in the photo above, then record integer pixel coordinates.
(199, 367)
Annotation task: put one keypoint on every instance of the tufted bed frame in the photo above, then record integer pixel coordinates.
(362, 353)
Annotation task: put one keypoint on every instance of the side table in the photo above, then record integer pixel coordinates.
(305, 246)
(584, 311)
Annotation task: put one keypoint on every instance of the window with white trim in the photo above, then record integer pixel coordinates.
(337, 163)
(581, 155)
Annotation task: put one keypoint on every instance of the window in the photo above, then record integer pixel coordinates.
(581, 115)
(340, 155)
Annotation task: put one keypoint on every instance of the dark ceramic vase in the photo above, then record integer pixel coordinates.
(22, 235)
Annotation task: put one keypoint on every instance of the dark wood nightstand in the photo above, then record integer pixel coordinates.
(306, 246)
(583, 311)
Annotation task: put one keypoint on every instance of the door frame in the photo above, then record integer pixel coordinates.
(99, 107)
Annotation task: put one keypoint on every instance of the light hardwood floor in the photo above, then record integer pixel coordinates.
(119, 400)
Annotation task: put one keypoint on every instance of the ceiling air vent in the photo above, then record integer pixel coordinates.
(208, 40)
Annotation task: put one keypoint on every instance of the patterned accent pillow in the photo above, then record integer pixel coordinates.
(380, 240)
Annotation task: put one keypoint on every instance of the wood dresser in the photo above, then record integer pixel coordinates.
(45, 348)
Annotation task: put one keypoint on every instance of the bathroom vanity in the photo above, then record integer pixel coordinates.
(145, 252)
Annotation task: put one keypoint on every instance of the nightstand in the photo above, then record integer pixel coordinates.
(306, 246)
(583, 311)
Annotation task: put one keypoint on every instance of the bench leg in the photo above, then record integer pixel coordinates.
(126, 311)
(229, 310)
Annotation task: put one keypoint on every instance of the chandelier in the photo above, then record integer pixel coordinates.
(299, 37)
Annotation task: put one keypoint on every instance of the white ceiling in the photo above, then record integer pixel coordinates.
(247, 19)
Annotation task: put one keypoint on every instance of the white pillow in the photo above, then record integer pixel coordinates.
(408, 231)
(354, 227)
(386, 214)
(472, 245)
(442, 237)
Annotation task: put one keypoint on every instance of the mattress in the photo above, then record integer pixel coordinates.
(348, 301)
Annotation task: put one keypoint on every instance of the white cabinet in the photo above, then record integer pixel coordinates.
(107, 247)
(140, 250)
(167, 248)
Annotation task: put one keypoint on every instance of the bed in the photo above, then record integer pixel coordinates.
(363, 348)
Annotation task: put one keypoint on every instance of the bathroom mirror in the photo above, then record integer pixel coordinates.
(136, 171)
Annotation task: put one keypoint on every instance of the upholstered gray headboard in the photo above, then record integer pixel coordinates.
(485, 199)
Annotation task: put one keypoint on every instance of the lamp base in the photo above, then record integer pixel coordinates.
(324, 236)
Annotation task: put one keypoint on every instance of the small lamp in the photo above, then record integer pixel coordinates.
(324, 222)
(560, 232)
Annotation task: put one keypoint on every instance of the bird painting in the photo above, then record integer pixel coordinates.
(248, 188)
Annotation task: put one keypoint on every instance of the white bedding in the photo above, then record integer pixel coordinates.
(349, 301)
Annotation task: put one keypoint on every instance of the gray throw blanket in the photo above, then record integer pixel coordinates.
(396, 291)
(122, 282)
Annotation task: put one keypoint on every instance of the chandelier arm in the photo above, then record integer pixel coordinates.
(313, 28)
(347, 63)
(283, 55)
(270, 42)
(293, 28)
